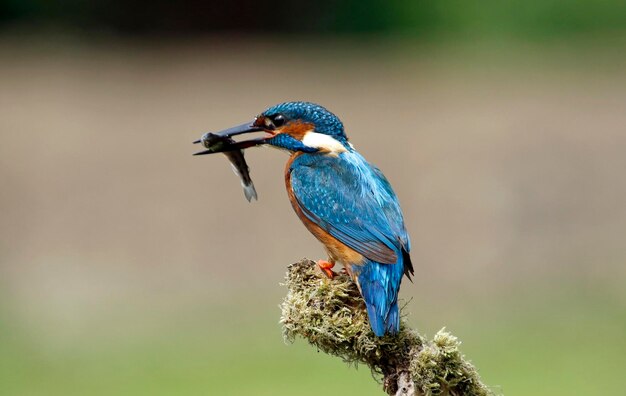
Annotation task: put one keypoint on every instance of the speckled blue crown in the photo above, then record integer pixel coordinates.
(325, 122)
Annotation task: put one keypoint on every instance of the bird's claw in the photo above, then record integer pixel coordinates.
(326, 267)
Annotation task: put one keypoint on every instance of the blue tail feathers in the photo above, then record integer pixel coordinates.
(379, 286)
(392, 325)
(384, 324)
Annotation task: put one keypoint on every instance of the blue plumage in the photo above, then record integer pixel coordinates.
(288, 142)
(352, 201)
(379, 284)
(325, 122)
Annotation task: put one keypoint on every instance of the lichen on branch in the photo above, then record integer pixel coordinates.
(331, 315)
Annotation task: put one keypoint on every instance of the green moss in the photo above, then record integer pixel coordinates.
(330, 314)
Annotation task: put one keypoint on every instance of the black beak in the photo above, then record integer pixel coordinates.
(218, 142)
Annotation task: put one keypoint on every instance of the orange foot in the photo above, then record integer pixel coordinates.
(326, 267)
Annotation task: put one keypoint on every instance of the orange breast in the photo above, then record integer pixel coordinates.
(337, 251)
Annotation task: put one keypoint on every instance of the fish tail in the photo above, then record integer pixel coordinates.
(249, 191)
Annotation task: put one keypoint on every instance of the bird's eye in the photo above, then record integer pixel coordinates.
(278, 120)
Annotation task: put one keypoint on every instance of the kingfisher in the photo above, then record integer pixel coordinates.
(344, 201)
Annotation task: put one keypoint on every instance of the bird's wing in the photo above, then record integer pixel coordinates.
(353, 202)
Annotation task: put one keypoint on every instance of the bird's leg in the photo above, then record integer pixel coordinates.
(326, 267)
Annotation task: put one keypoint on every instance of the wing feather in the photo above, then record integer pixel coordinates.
(353, 202)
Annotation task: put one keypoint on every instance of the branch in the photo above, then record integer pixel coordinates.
(331, 315)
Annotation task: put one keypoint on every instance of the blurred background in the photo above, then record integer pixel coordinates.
(129, 267)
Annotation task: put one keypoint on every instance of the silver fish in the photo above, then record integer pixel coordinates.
(221, 144)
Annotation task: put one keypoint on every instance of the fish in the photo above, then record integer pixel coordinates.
(222, 144)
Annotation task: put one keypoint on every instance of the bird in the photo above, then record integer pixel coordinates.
(343, 200)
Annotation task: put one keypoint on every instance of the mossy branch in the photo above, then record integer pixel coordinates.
(331, 315)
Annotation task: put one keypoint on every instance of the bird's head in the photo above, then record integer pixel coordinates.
(293, 126)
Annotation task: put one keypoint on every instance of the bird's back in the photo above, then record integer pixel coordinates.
(353, 203)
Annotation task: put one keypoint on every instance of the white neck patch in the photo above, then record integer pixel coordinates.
(323, 142)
